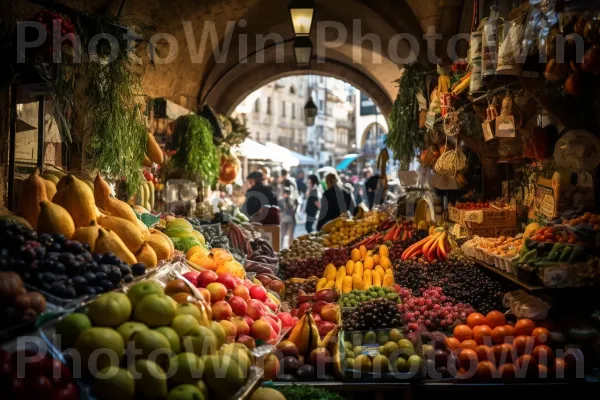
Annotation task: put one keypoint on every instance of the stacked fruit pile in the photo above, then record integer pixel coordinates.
(432, 309)
(73, 210)
(314, 266)
(381, 352)
(295, 287)
(342, 232)
(189, 345)
(323, 308)
(42, 378)
(301, 249)
(355, 297)
(220, 261)
(375, 314)
(501, 350)
(246, 308)
(461, 281)
(18, 305)
(366, 268)
(61, 267)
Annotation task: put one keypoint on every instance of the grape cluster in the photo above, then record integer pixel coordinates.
(302, 268)
(462, 282)
(355, 297)
(337, 257)
(292, 289)
(432, 309)
(61, 267)
(375, 314)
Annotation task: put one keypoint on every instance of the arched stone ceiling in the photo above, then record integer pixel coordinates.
(223, 84)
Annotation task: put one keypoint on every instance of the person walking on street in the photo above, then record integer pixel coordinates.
(258, 195)
(336, 201)
(288, 206)
(313, 202)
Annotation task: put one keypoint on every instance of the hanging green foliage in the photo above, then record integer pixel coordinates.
(405, 139)
(196, 154)
(117, 129)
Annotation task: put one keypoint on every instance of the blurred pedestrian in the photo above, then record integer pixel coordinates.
(335, 201)
(313, 202)
(301, 184)
(288, 206)
(258, 195)
(376, 192)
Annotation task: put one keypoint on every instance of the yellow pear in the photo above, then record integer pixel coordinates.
(129, 233)
(55, 219)
(78, 199)
(101, 191)
(110, 242)
(33, 192)
(87, 234)
(50, 188)
(147, 256)
(118, 208)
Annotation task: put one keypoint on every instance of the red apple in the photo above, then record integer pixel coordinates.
(242, 291)
(286, 319)
(206, 277)
(271, 304)
(317, 317)
(221, 310)
(241, 326)
(304, 307)
(217, 290)
(318, 305)
(227, 281)
(205, 293)
(192, 276)
(274, 324)
(255, 309)
(238, 305)
(258, 292)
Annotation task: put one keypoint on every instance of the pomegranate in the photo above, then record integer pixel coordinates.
(227, 281)
(238, 305)
(258, 292)
(221, 310)
(255, 309)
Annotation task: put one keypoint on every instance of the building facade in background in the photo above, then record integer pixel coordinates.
(275, 113)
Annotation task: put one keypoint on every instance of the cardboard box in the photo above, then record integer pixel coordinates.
(462, 231)
(475, 219)
(271, 233)
(564, 191)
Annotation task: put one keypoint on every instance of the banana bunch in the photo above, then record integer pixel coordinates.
(305, 335)
(444, 84)
(144, 196)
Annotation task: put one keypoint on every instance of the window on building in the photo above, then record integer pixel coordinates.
(321, 105)
(257, 105)
(292, 90)
(268, 105)
(283, 108)
(293, 111)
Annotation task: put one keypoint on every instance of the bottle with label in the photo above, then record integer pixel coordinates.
(491, 41)
(475, 50)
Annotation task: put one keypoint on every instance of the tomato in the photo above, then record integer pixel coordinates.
(572, 240)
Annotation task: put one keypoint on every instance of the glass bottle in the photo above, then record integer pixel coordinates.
(491, 41)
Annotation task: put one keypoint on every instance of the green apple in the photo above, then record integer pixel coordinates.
(396, 335)
(114, 383)
(142, 289)
(405, 344)
(186, 392)
(110, 309)
(185, 368)
(127, 329)
(203, 388)
(155, 310)
(382, 337)
(219, 332)
(172, 337)
(389, 348)
(223, 375)
(381, 364)
(70, 327)
(415, 363)
(153, 345)
(201, 341)
(402, 365)
(151, 380)
(189, 309)
(107, 340)
(370, 338)
(182, 324)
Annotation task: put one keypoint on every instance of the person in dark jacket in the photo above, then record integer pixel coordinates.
(258, 195)
(313, 202)
(336, 200)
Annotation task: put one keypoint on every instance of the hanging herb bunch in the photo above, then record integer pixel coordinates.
(405, 138)
(196, 155)
(117, 129)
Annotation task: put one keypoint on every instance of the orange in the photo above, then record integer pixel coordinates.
(527, 363)
(523, 344)
(466, 358)
(498, 334)
(543, 354)
(469, 344)
(485, 370)
(495, 318)
(476, 319)
(503, 353)
(452, 343)
(484, 353)
(463, 332)
(524, 327)
(541, 335)
(510, 333)
(507, 371)
(482, 334)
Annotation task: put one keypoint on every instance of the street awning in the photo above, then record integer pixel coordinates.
(303, 160)
(285, 155)
(253, 150)
(346, 161)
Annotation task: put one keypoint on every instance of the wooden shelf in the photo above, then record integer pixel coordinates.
(508, 276)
